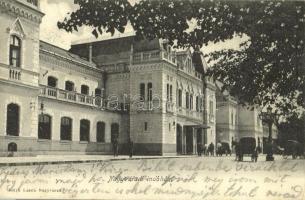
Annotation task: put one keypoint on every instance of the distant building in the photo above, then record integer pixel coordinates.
(234, 121)
(55, 101)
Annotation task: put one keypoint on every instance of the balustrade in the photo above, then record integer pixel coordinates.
(15, 74)
(189, 113)
(70, 96)
(153, 56)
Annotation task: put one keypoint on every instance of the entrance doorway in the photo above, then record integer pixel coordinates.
(179, 139)
(189, 140)
(199, 136)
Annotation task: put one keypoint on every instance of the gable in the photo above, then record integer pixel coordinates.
(17, 28)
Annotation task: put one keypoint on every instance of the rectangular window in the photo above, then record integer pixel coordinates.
(187, 103)
(149, 91)
(169, 126)
(191, 102)
(171, 93)
(84, 89)
(15, 51)
(180, 98)
(167, 92)
(197, 103)
(145, 126)
(142, 92)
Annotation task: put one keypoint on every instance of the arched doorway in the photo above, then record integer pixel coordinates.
(189, 140)
(12, 121)
(114, 132)
(12, 147)
(100, 131)
(84, 130)
(44, 126)
(179, 139)
(66, 128)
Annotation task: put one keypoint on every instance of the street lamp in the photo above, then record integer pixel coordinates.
(269, 118)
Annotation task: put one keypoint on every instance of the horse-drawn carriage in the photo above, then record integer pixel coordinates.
(246, 147)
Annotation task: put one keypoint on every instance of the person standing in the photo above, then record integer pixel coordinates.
(211, 149)
(218, 149)
(199, 149)
(115, 147)
(237, 151)
(205, 149)
(130, 148)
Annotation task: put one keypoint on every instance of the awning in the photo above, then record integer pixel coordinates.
(202, 126)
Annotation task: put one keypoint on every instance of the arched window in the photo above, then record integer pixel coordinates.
(12, 122)
(69, 86)
(66, 128)
(52, 81)
(142, 91)
(149, 92)
(98, 92)
(44, 127)
(12, 147)
(191, 102)
(84, 130)
(180, 98)
(84, 89)
(100, 132)
(15, 51)
(187, 100)
(114, 132)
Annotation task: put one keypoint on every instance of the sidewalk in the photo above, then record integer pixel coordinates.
(64, 159)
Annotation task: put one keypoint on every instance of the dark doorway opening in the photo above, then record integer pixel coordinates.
(189, 140)
(179, 139)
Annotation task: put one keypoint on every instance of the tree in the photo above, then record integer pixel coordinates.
(267, 69)
(292, 129)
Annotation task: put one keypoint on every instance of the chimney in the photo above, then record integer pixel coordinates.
(90, 53)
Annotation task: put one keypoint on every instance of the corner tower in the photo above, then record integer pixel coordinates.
(19, 71)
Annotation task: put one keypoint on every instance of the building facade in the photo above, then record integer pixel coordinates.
(234, 121)
(55, 101)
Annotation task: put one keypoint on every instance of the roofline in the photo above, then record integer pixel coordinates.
(54, 45)
(100, 39)
(91, 65)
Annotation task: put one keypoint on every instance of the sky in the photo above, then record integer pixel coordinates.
(56, 10)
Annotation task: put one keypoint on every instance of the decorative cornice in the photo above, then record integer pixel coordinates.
(189, 77)
(22, 10)
(142, 66)
(14, 83)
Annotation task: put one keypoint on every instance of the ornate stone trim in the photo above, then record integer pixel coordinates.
(22, 10)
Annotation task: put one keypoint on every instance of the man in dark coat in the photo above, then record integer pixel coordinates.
(199, 149)
(115, 147)
(130, 148)
(211, 149)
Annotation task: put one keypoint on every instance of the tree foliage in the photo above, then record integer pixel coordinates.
(267, 69)
(292, 129)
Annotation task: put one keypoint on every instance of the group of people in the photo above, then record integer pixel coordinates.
(115, 147)
(207, 150)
